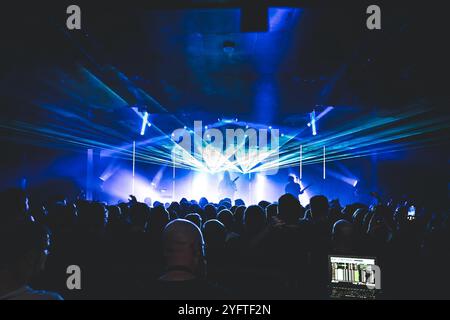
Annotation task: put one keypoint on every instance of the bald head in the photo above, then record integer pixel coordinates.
(183, 242)
(342, 228)
(344, 236)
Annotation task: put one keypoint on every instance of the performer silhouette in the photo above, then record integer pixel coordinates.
(293, 187)
(227, 187)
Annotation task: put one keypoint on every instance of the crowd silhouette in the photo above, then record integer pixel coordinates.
(202, 250)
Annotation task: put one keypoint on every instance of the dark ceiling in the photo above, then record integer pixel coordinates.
(172, 60)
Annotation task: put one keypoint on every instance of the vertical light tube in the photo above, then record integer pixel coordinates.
(173, 180)
(144, 123)
(313, 122)
(89, 173)
(324, 161)
(134, 167)
(301, 162)
(250, 195)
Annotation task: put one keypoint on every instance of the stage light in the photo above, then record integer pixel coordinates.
(158, 176)
(246, 127)
(270, 127)
(322, 114)
(185, 127)
(236, 120)
(313, 122)
(110, 170)
(144, 123)
(358, 138)
(206, 127)
(347, 177)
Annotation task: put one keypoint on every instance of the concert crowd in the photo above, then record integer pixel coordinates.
(202, 250)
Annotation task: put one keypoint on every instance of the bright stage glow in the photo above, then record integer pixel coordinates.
(362, 137)
(200, 185)
(119, 186)
(261, 187)
(387, 132)
(305, 196)
(357, 139)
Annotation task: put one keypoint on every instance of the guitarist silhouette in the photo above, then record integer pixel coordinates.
(227, 187)
(294, 188)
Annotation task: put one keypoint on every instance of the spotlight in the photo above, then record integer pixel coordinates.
(246, 127)
(236, 120)
(206, 127)
(322, 114)
(185, 127)
(355, 183)
(144, 123)
(270, 127)
(313, 122)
